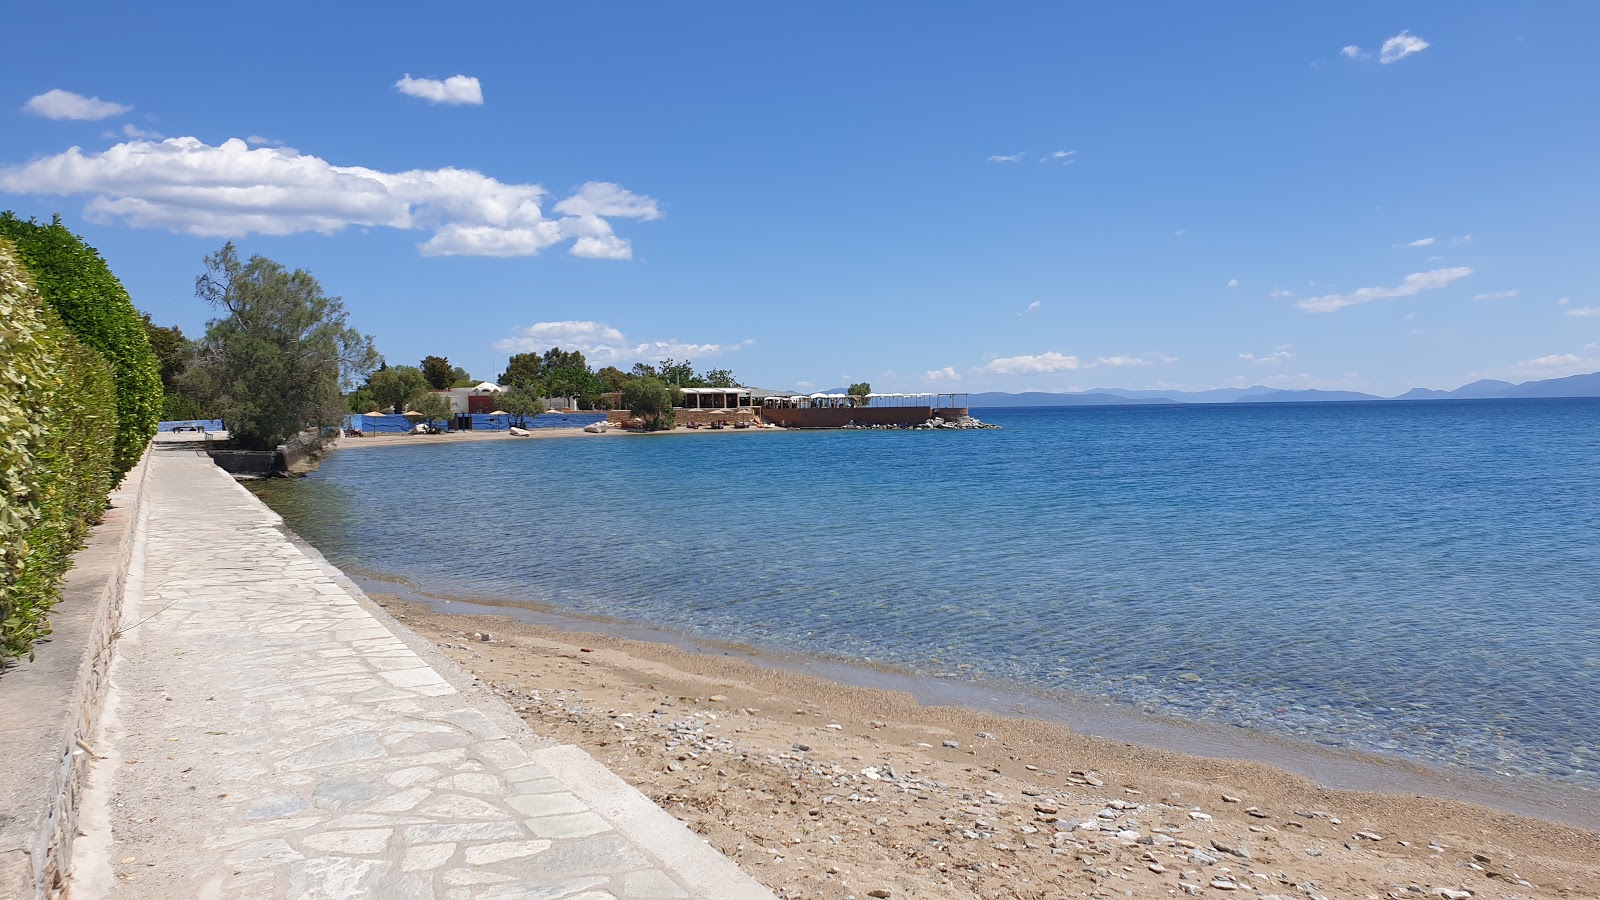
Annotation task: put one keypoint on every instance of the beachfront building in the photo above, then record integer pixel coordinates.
(825, 410)
(716, 398)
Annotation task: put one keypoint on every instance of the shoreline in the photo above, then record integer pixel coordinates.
(1342, 769)
(386, 439)
(595, 684)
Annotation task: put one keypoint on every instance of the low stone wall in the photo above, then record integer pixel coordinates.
(49, 707)
(697, 416)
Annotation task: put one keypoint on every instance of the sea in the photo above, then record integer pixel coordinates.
(1415, 581)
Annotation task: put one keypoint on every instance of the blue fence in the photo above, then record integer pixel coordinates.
(191, 425)
(393, 424)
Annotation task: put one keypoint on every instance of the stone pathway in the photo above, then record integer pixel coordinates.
(272, 735)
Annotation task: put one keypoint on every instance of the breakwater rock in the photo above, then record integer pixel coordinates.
(963, 423)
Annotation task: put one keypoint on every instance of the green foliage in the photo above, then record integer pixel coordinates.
(459, 378)
(612, 378)
(278, 362)
(521, 402)
(859, 392)
(174, 354)
(678, 374)
(522, 370)
(438, 371)
(650, 400)
(718, 378)
(434, 407)
(57, 453)
(397, 387)
(361, 400)
(78, 285)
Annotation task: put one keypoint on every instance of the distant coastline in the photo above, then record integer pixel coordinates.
(1571, 387)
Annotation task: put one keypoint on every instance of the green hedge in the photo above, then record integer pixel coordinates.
(79, 286)
(57, 446)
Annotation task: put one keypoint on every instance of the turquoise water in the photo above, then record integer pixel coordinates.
(1421, 580)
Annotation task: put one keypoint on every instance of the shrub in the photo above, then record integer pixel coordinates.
(651, 401)
(78, 285)
(57, 453)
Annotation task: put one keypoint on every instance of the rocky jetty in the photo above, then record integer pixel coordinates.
(962, 423)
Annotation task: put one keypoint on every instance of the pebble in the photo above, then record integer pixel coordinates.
(1228, 799)
(1223, 884)
(1200, 816)
(953, 745)
(878, 892)
(1230, 849)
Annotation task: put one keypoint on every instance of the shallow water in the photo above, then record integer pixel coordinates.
(1418, 580)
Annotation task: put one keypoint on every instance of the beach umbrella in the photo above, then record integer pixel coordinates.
(411, 412)
(499, 412)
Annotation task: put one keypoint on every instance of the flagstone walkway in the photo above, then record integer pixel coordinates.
(271, 734)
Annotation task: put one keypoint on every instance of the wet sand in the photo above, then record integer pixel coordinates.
(826, 789)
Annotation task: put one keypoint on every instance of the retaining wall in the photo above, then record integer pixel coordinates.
(49, 707)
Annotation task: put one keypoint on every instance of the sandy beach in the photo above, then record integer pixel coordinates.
(371, 441)
(821, 789)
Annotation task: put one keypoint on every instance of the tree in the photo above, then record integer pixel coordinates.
(650, 400)
(438, 372)
(678, 374)
(644, 370)
(522, 369)
(719, 378)
(77, 284)
(612, 378)
(859, 392)
(521, 402)
(362, 401)
(459, 378)
(278, 361)
(432, 406)
(173, 355)
(397, 386)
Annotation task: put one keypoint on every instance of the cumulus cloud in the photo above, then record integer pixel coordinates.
(1584, 312)
(1032, 307)
(229, 190)
(1422, 242)
(59, 104)
(133, 131)
(1279, 355)
(1556, 365)
(256, 140)
(1351, 51)
(1401, 46)
(1495, 295)
(457, 90)
(1280, 294)
(1233, 282)
(605, 345)
(1412, 284)
(948, 373)
(1042, 364)
(1005, 157)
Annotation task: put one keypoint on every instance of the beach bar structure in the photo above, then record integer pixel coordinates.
(824, 410)
(716, 398)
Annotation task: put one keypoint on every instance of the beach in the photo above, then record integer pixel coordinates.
(823, 789)
(371, 441)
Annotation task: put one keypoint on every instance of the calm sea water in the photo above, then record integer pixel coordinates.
(1420, 580)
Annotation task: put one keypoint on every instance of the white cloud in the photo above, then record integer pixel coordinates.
(1564, 301)
(230, 190)
(1043, 364)
(457, 90)
(1005, 157)
(1351, 51)
(1401, 46)
(1280, 294)
(1120, 362)
(804, 385)
(1584, 312)
(1032, 307)
(1233, 282)
(1463, 239)
(256, 140)
(1279, 355)
(605, 345)
(1556, 365)
(1065, 157)
(948, 373)
(1414, 283)
(1495, 295)
(59, 104)
(1423, 242)
(133, 131)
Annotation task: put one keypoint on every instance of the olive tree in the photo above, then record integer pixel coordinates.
(650, 400)
(397, 387)
(432, 406)
(521, 403)
(281, 357)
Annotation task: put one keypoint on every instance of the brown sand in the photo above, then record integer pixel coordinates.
(462, 437)
(826, 790)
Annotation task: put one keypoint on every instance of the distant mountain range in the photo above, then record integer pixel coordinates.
(1486, 389)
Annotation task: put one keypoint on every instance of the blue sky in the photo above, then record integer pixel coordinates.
(1027, 197)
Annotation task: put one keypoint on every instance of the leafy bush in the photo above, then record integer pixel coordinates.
(91, 302)
(57, 453)
(651, 401)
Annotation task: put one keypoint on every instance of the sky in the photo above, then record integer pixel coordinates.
(1028, 197)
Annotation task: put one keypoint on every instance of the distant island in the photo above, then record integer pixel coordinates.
(1485, 389)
